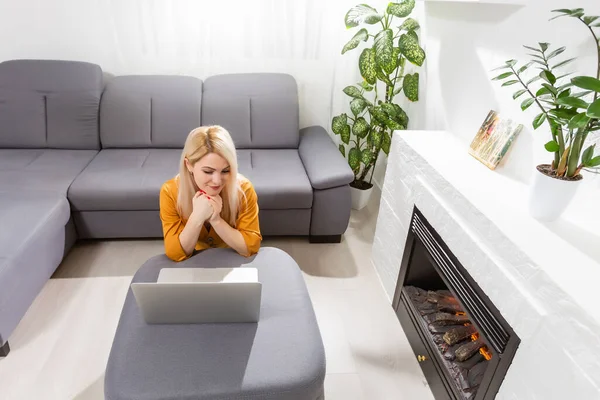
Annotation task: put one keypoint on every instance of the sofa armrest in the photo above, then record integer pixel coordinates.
(325, 166)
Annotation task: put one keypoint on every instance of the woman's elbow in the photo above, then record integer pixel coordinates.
(252, 247)
(175, 254)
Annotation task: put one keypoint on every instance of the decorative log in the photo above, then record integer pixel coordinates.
(459, 333)
(448, 300)
(449, 307)
(419, 299)
(431, 302)
(445, 293)
(440, 327)
(419, 291)
(416, 294)
(445, 303)
(476, 373)
(450, 351)
(447, 319)
(432, 297)
(447, 296)
(462, 377)
(425, 312)
(471, 362)
(439, 310)
(437, 297)
(427, 308)
(467, 351)
(430, 308)
(438, 339)
(412, 290)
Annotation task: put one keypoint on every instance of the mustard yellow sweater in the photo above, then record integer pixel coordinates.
(173, 224)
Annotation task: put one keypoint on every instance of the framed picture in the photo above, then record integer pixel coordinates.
(494, 138)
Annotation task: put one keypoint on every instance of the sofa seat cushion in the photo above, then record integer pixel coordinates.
(24, 215)
(41, 170)
(124, 179)
(279, 178)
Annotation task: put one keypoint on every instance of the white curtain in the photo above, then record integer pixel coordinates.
(193, 37)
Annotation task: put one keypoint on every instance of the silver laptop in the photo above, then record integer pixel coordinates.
(200, 295)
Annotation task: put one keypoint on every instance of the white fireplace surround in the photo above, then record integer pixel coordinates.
(541, 280)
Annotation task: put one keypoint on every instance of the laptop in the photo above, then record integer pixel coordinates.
(200, 295)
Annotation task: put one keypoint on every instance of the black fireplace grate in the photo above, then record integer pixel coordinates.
(488, 324)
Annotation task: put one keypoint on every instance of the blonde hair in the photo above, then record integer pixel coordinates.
(200, 142)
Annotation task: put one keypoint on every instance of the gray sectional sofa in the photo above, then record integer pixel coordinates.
(84, 158)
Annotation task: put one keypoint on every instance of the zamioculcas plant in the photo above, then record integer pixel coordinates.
(571, 107)
(390, 46)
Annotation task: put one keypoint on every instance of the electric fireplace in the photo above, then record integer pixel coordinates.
(462, 342)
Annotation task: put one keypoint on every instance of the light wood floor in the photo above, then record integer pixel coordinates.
(60, 348)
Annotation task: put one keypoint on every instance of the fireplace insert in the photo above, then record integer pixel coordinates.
(463, 344)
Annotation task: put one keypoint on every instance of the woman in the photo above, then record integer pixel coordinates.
(208, 204)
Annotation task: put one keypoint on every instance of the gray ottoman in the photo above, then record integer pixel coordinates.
(280, 358)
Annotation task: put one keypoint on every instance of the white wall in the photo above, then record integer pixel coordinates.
(202, 38)
(192, 37)
(466, 41)
(304, 38)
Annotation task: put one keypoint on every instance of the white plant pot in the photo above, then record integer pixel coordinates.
(360, 198)
(549, 197)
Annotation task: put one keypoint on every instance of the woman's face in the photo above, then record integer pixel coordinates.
(210, 173)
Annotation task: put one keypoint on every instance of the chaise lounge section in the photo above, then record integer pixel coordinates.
(48, 134)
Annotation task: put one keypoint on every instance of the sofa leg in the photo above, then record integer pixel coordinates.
(4, 350)
(325, 239)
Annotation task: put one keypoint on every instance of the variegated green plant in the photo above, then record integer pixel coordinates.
(382, 65)
(570, 106)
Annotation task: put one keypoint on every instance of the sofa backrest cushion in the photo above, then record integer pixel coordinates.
(151, 111)
(260, 110)
(49, 104)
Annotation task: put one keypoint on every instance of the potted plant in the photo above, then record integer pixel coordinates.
(571, 109)
(382, 65)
